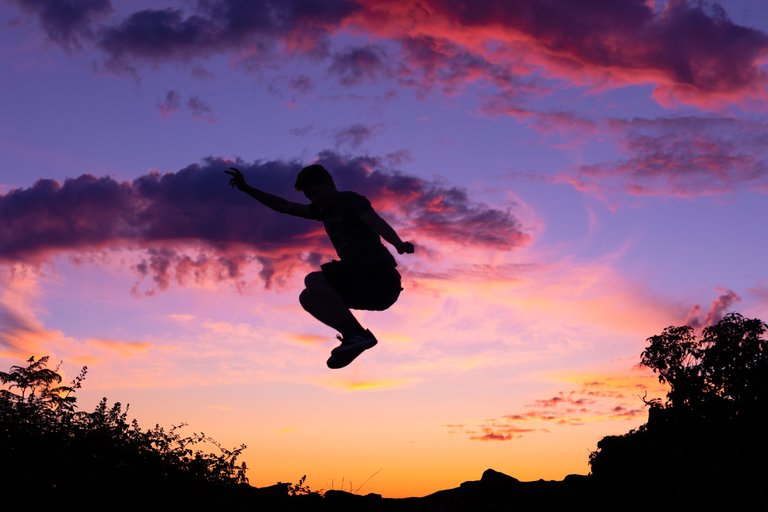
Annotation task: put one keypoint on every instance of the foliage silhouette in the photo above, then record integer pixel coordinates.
(706, 444)
(50, 449)
(703, 448)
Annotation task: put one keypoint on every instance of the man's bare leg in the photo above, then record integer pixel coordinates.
(323, 302)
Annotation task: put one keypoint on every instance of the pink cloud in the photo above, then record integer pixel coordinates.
(170, 104)
(309, 339)
(68, 22)
(605, 397)
(21, 333)
(429, 62)
(502, 434)
(690, 51)
(761, 292)
(717, 309)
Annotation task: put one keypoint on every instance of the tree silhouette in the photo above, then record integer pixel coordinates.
(720, 375)
(57, 454)
(706, 443)
(703, 448)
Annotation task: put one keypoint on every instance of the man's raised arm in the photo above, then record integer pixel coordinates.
(272, 201)
(385, 231)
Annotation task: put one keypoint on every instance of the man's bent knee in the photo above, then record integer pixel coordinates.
(306, 299)
(315, 279)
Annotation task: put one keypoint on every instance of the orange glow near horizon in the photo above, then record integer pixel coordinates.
(443, 343)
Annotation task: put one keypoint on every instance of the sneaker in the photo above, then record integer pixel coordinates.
(357, 342)
(349, 349)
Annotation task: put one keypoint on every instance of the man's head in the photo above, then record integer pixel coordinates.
(315, 181)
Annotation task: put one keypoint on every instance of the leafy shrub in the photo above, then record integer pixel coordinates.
(707, 440)
(55, 453)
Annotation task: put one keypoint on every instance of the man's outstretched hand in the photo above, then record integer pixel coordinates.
(405, 247)
(238, 180)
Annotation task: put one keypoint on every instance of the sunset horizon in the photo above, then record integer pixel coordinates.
(575, 177)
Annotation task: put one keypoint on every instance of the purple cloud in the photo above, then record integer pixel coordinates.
(199, 108)
(13, 329)
(429, 62)
(191, 224)
(301, 84)
(432, 208)
(684, 157)
(170, 104)
(218, 26)
(67, 21)
(693, 45)
(690, 50)
(353, 136)
(717, 309)
(359, 64)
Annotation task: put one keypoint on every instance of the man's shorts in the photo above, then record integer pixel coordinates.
(368, 286)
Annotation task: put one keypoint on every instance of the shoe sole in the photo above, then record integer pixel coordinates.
(341, 358)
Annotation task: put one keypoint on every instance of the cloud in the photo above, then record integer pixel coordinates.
(358, 64)
(199, 108)
(301, 84)
(760, 292)
(220, 26)
(124, 348)
(501, 434)
(429, 62)
(308, 339)
(599, 398)
(67, 21)
(21, 333)
(717, 309)
(353, 136)
(371, 384)
(190, 226)
(291, 87)
(689, 51)
(546, 123)
(680, 157)
(302, 131)
(170, 104)
(431, 208)
(17, 330)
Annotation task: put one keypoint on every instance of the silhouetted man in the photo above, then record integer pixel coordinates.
(364, 277)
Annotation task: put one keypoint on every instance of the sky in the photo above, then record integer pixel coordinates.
(575, 175)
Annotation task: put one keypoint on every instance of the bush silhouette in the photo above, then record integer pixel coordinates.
(707, 441)
(59, 455)
(703, 448)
